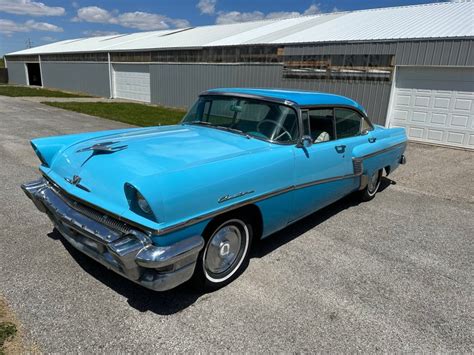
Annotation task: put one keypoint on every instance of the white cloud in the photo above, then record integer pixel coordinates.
(282, 14)
(100, 33)
(139, 20)
(48, 39)
(8, 27)
(312, 10)
(28, 7)
(42, 26)
(207, 7)
(143, 21)
(94, 14)
(236, 16)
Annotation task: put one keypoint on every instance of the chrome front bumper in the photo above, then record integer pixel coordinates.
(120, 247)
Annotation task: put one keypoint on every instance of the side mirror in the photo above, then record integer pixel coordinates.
(305, 142)
(364, 132)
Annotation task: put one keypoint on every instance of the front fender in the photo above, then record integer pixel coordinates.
(190, 194)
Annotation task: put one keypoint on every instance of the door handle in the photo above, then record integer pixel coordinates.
(372, 139)
(340, 148)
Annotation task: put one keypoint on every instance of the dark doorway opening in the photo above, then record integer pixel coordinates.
(34, 74)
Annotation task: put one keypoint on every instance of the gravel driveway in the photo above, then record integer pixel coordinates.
(394, 274)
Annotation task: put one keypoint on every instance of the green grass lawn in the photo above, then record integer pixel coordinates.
(135, 114)
(18, 91)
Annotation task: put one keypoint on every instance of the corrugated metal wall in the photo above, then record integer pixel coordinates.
(179, 84)
(457, 52)
(16, 73)
(92, 78)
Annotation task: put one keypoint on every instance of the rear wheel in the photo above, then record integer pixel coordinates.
(225, 254)
(372, 187)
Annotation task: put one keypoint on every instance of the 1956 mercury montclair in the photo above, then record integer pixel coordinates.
(162, 205)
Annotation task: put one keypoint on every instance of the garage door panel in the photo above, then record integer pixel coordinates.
(463, 104)
(422, 101)
(403, 100)
(419, 116)
(435, 135)
(415, 132)
(433, 107)
(400, 115)
(455, 138)
(441, 103)
(459, 121)
(132, 81)
(439, 118)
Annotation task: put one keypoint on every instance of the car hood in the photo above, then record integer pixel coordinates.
(105, 163)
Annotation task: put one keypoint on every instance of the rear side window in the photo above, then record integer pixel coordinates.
(348, 123)
(321, 124)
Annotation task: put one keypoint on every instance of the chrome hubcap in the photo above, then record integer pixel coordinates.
(223, 249)
(373, 182)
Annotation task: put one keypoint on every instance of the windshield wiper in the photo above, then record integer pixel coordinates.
(234, 130)
(199, 123)
(229, 129)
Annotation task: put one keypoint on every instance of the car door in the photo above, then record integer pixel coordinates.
(323, 171)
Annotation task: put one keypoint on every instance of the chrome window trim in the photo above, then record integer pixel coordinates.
(362, 113)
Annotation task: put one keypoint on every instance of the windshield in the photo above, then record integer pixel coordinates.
(256, 118)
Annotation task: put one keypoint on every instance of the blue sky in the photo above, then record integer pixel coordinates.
(46, 21)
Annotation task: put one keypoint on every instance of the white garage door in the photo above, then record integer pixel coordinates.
(131, 81)
(435, 105)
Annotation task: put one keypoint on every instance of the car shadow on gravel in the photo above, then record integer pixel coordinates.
(138, 297)
(183, 296)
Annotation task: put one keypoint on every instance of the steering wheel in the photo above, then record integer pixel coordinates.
(279, 125)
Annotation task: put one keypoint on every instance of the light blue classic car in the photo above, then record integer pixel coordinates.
(162, 205)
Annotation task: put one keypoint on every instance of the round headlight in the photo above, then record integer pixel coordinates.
(141, 202)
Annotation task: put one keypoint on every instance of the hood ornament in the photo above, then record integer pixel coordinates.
(101, 148)
(104, 147)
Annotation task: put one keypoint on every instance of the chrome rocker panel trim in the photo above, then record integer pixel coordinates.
(131, 254)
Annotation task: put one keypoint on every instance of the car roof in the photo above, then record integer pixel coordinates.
(301, 98)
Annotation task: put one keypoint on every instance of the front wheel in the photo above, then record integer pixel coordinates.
(225, 254)
(372, 187)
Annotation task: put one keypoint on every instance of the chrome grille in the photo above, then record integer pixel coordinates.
(111, 222)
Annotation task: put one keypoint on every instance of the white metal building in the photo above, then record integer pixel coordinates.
(410, 66)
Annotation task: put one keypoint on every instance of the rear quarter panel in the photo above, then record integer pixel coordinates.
(386, 151)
